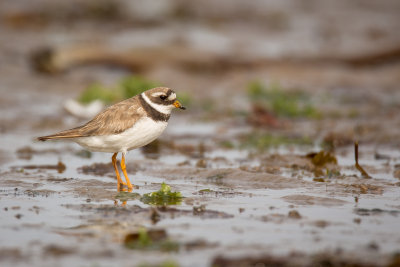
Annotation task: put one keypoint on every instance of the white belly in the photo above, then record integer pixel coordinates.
(142, 133)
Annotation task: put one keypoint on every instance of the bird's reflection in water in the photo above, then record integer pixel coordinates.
(125, 194)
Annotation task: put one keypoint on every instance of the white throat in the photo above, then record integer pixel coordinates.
(160, 108)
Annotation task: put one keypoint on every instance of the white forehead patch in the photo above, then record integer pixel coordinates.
(172, 96)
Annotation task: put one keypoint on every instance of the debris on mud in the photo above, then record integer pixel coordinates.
(167, 263)
(162, 197)
(36, 193)
(294, 214)
(322, 158)
(225, 192)
(396, 172)
(201, 163)
(60, 167)
(221, 261)
(158, 239)
(363, 188)
(197, 211)
(204, 213)
(296, 259)
(358, 166)
(199, 244)
(57, 251)
(153, 239)
(320, 223)
(376, 211)
(325, 165)
(26, 152)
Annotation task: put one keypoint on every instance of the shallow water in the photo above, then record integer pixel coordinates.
(47, 208)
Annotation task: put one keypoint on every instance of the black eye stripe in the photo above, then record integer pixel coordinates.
(163, 97)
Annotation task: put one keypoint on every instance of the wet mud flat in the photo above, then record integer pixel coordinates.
(259, 171)
(234, 209)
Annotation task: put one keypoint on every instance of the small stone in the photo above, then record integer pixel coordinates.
(321, 223)
(155, 216)
(201, 163)
(396, 174)
(199, 209)
(294, 214)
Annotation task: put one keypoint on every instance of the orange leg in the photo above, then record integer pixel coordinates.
(123, 203)
(123, 168)
(114, 162)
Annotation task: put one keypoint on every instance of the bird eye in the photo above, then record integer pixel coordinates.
(163, 97)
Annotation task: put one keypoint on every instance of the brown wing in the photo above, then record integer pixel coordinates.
(113, 120)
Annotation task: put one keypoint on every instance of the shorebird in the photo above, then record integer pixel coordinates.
(129, 124)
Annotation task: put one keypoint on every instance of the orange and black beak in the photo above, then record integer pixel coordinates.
(177, 104)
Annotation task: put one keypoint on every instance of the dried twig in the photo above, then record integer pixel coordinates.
(361, 169)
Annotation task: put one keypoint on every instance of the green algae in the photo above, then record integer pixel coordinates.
(125, 88)
(134, 85)
(151, 240)
(282, 102)
(162, 197)
(322, 158)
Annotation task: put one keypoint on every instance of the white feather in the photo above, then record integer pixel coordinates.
(143, 132)
(157, 94)
(172, 96)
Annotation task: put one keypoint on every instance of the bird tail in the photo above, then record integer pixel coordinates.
(68, 134)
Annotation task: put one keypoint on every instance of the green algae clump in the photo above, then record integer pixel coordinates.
(162, 197)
